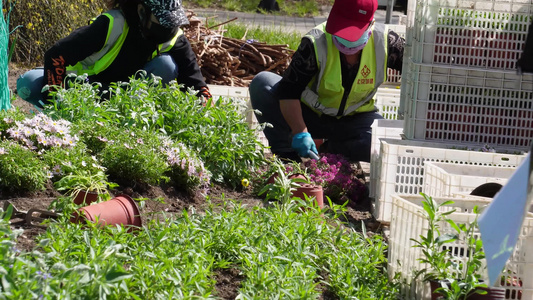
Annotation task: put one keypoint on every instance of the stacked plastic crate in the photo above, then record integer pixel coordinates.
(461, 96)
(462, 83)
(460, 88)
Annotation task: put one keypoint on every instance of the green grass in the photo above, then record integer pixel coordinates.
(269, 36)
(300, 8)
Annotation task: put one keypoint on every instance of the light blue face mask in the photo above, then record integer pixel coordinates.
(361, 41)
(353, 47)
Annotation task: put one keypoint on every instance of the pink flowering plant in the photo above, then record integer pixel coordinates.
(40, 132)
(186, 169)
(337, 177)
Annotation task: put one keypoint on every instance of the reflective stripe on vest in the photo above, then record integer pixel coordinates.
(325, 92)
(165, 47)
(116, 35)
(99, 61)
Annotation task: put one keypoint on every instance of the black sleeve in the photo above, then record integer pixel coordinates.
(80, 44)
(302, 69)
(525, 63)
(395, 49)
(189, 72)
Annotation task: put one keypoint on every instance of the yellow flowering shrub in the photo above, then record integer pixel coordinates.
(43, 22)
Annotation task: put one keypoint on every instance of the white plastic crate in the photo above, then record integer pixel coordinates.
(409, 222)
(477, 33)
(445, 179)
(468, 106)
(401, 167)
(388, 102)
(391, 129)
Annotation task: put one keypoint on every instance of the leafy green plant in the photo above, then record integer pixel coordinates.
(458, 276)
(283, 186)
(64, 161)
(20, 168)
(81, 180)
(220, 135)
(134, 156)
(9, 119)
(79, 101)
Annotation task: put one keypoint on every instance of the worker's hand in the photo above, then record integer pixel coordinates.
(303, 143)
(205, 96)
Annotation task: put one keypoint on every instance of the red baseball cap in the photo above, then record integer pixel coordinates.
(348, 19)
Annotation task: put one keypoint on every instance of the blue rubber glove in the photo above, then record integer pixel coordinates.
(303, 143)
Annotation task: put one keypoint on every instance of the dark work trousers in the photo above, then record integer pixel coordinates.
(349, 135)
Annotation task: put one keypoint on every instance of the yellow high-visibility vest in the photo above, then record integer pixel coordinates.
(325, 91)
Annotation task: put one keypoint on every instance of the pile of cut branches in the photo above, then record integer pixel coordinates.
(231, 61)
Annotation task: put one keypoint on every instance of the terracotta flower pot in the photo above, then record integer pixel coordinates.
(120, 210)
(84, 197)
(311, 191)
(493, 293)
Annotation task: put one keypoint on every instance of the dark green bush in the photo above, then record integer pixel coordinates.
(44, 22)
(20, 169)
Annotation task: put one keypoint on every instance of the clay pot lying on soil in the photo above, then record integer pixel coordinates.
(121, 210)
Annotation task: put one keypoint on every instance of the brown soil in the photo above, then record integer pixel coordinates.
(228, 280)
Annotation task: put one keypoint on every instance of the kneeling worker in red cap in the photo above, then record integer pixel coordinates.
(328, 91)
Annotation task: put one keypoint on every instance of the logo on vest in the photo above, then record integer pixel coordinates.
(365, 72)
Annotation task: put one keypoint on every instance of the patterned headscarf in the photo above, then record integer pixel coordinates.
(170, 13)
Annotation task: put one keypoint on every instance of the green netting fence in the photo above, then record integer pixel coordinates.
(5, 102)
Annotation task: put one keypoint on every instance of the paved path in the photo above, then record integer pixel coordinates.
(301, 25)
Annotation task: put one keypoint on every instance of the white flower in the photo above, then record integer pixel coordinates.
(27, 131)
(56, 170)
(43, 141)
(67, 140)
(14, 132)
(3, 151)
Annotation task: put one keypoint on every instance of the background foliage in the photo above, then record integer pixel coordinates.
(45, 21)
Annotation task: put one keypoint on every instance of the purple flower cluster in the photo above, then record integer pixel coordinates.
(41, 132)
(336, 175)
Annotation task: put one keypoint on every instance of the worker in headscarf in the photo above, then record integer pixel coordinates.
(132, 35)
